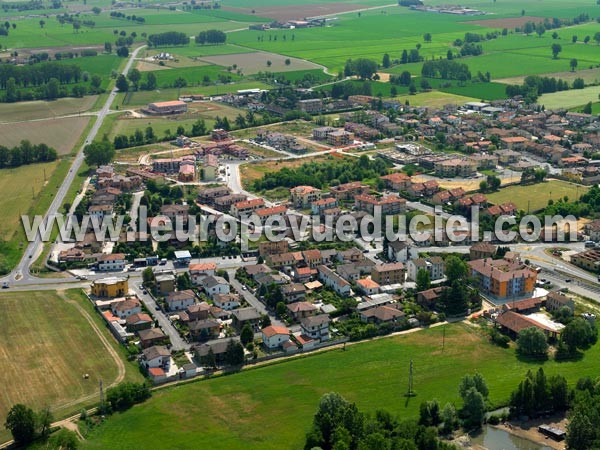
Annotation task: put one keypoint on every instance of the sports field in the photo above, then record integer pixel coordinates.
(535, 197)
(272, 407)
(49, 340)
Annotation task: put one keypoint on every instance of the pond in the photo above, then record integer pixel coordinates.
(496, 439)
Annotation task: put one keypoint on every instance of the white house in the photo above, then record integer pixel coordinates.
(180, 299)
(334, 281)
(274, 336)
(226, 301)
(126, 308)
(401, 251)
(214, 285)
(434, 265)
(116, 261)
(201, 271)
(156, 356)
(316, 327)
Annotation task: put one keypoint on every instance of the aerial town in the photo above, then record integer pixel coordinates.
(214, 240)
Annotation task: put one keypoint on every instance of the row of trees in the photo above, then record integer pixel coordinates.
(211, 37)
(168, 38)
(39, 74)
(27, 426)
(538, 394)
(533, 86)
(26, 153)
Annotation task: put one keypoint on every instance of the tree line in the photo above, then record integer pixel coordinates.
(26, 153)
(39, 74)
(211, 37)
(533, 86)
(168, 38)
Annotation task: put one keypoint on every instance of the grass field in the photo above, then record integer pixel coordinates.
(272, 407)
(535, 197)
(435, 99)
(62, 134)
(14, 112)
(571, 98)
(588, 75)
(49, 340)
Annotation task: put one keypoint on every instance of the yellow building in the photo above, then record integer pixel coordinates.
(110, 287)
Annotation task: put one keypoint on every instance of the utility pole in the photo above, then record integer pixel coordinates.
(410, 392)
(443, 337)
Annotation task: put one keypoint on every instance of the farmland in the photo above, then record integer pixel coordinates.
(272, 407)
(43, 365)
(43, 110)
(536, 197)
(62, 134)
(570, 99)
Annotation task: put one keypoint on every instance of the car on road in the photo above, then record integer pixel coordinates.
(5, 285)
(157, 308)
(244, 288)
(568, 280)
(145, 292)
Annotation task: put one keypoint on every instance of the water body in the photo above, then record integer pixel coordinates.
(496, 439)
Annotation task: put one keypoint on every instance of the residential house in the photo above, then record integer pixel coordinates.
(348, 191)
(293, 292)
(389, 273)
(176, 213)
(588, 259)
(226, 301)
(274, 336)
(316, 327)
(201, 330)
(272, 247)
(320, 206)
(112, 262)
(138, 321)
(434, 265)
(125, 308)
(304, 196)
(151, 336)
(247, 207)
(429, 298)
(213, 285)
(200, 271)
(156, 356)
(482, 250)
(179, 300)
(556, 300)
(243, 316)
(368, 286)
(334, 281)
(165, 283)
(382, 314)
(390, 204)
(401, 251)
(219, 348)
(513, 323)
(592, 230)
(300, 310)
(397, 181)
(110, 287)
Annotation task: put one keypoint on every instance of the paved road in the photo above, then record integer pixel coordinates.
(251, 299)
(177, 341)
(34, 249)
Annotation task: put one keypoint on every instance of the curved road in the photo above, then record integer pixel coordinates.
(33, 250)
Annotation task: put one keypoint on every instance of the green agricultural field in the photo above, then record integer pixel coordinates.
(435, 99)
(68, 340)
(194, 76)
(15, 112)
(296, 75)
(512, 8)
(62, 134)
(272, 407)
(571, 98)
(483, 91)
(535, 197)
